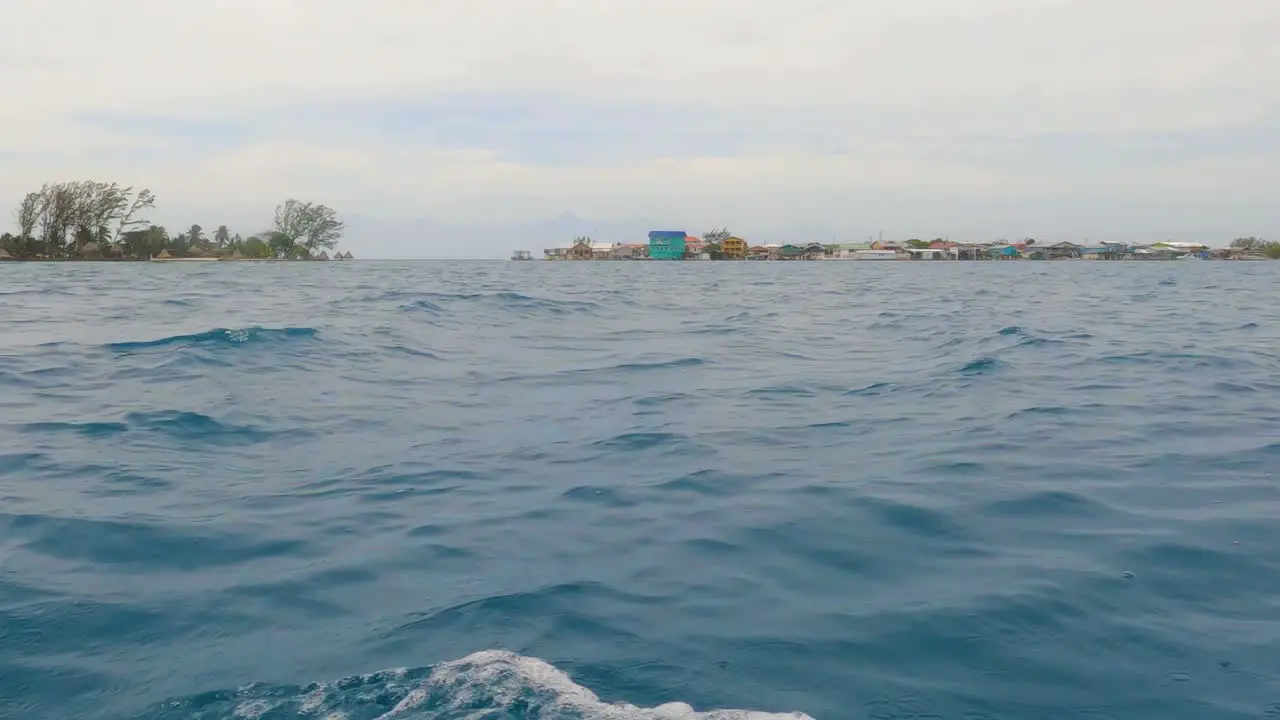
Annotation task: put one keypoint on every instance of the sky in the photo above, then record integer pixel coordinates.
(440, 128)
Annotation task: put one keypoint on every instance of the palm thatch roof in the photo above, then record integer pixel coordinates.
(164, 253)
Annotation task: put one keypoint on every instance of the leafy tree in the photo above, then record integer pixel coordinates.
(86, 217)
(315, 227)
(55, 217)
(716, 237)
(144, 200)
(1272, 250)
(917, 243)
(254, 247)
(68, 216)
(144, 243)
(28, 214)
(713, 242)
(277, 243)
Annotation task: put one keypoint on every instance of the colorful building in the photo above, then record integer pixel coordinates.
(667, 244)
(734, 248)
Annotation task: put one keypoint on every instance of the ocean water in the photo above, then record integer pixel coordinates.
(951, 491)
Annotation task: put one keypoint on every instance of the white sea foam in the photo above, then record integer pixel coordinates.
(487, 684)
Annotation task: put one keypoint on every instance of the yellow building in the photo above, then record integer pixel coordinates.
(734, 248)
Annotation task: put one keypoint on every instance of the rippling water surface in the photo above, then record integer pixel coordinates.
(970, 491)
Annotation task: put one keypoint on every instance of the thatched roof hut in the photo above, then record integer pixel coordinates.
(4, 254)
(322, 256)
(164, 253)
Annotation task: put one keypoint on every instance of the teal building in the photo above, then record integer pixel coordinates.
(666, 244)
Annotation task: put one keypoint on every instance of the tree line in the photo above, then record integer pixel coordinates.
(1269, 248)
(90, 219)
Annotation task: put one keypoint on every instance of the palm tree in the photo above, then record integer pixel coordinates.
(195, 236)
(222, 236)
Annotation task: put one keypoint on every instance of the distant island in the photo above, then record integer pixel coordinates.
(89, 220)
(723, 245)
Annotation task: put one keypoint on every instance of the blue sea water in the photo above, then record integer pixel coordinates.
(927, 491)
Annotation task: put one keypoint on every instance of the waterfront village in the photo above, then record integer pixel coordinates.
(721, 245)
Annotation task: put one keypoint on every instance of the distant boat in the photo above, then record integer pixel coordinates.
(522, 255)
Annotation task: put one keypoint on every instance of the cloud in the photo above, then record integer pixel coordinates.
(773, 115)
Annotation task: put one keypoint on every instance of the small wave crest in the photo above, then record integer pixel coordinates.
(219, 336)
(981, 366)
(489, 684)
(509, 301)
(179, 425)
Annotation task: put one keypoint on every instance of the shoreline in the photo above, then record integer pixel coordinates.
(720, 245)
(559, 261)
(17, 260)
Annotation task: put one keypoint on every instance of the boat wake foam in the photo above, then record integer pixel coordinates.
(489, 685)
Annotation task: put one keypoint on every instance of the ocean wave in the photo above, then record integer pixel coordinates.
(880, 388)
(219, 337)
(139, 543)
(506, 300)
(865, 502)
(981, 366)
(577, 376)
(660, 365)
(488, 685)
(179, 425)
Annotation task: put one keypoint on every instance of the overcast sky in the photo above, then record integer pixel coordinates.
(975, 119)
